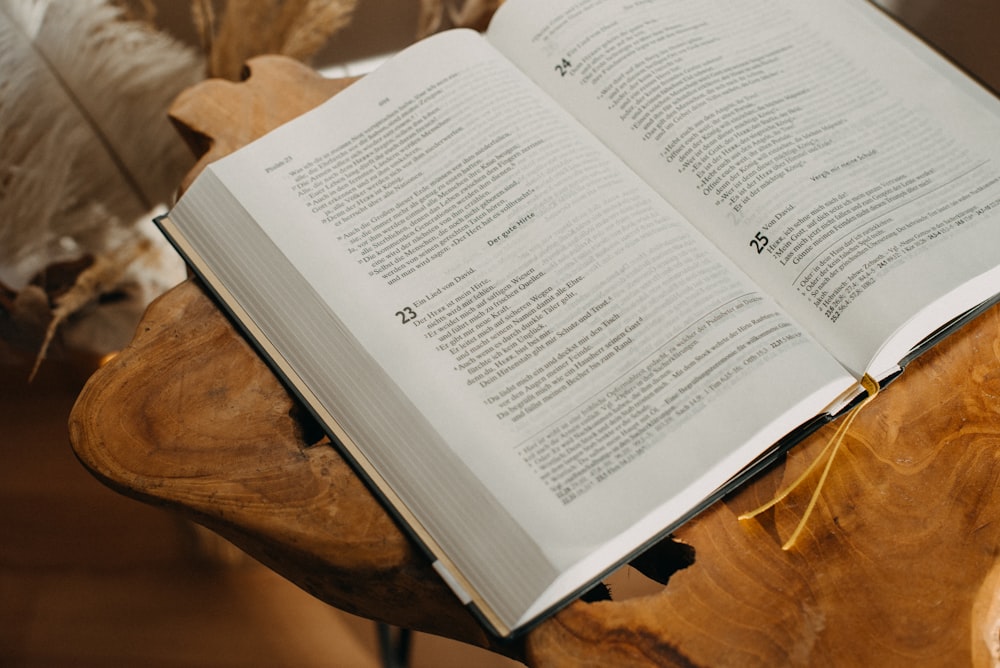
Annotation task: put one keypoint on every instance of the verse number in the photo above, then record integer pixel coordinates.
(563, 67)
(758, 243)
(406, 314)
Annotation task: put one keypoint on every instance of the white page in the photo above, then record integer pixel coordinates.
(578, 301)
(794, 133)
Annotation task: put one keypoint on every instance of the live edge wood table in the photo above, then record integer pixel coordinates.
(899, 564)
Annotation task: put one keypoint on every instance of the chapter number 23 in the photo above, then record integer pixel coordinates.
(406, 314)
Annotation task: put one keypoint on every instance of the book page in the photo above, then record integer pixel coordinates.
(585, 354)
(855, 181)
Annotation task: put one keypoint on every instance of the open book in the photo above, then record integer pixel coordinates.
(554, 288)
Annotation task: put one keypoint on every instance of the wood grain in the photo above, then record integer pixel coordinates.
(216, 117)
(898, 565)
(189, 417)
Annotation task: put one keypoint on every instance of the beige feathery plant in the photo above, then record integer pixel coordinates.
(245, 28)
(436, 15)
(86, 151)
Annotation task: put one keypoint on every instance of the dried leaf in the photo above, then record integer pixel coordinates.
(248, 28)
(99, 278)
(137, 10)
(438, 15)
(475, 14)
(431, 17)
(305, 36)
(203, 17)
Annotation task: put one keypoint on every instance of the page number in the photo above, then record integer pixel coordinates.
(406, 314)
(563, 67)
(758, 243)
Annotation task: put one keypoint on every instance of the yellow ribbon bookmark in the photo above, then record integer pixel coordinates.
(871, 386)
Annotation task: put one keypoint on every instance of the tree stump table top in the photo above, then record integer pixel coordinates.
(898, 564)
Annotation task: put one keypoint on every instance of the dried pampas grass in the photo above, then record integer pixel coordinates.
(87, 150)
(437, 15)
(247, 28)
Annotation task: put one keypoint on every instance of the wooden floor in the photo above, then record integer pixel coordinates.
(91, 578)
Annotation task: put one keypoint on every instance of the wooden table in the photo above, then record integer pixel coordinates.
(898, 565)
